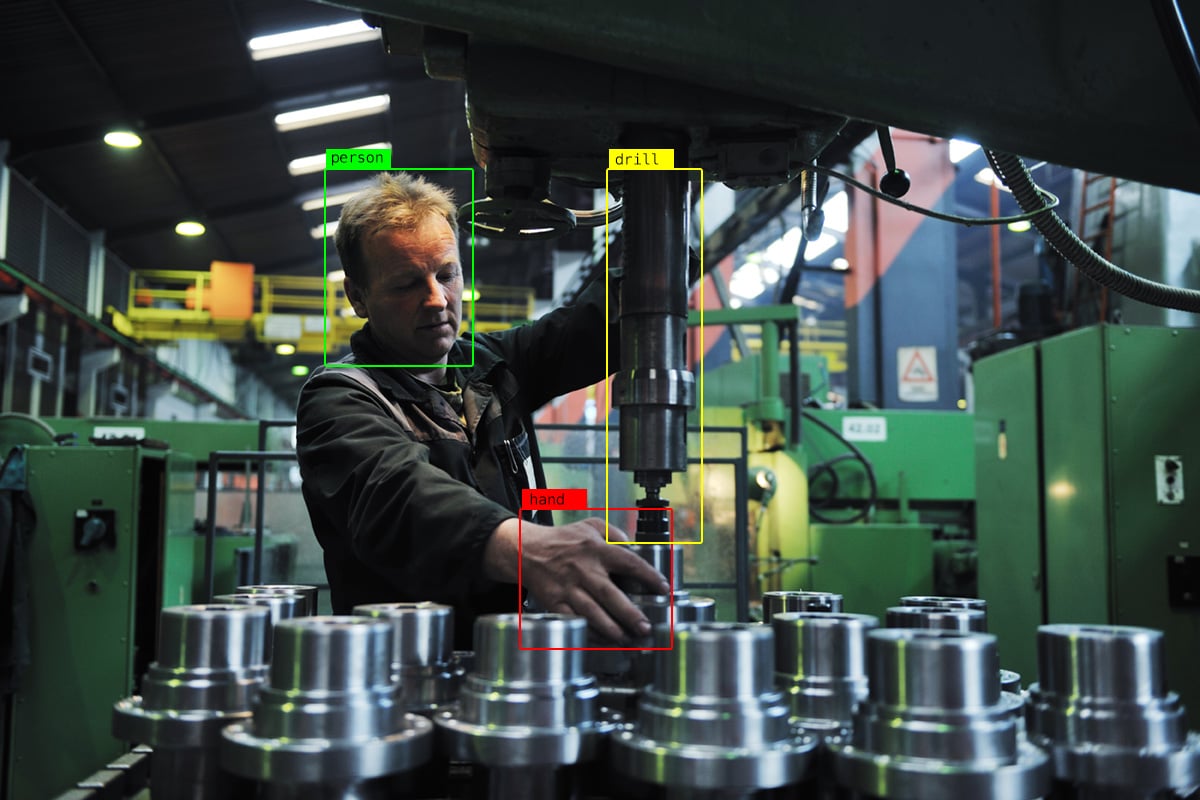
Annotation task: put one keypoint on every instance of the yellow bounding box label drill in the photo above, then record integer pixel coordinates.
(625, 158)
(356, 158)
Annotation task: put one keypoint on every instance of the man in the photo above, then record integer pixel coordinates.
(413, 477)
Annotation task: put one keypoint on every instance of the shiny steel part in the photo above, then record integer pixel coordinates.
(935, 724)
(1102, 709)
(310, 592)
(1010, 681)
(209, 666)
(937, 617)
(778, 602)
(281, 605)
(621, 674)
(659, 556)
(653, 386)
(423, 652)
(713, 721)
(527, 703)
(329, 722)
(930, 601)
(820, 663)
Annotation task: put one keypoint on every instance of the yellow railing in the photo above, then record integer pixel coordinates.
(309, 312)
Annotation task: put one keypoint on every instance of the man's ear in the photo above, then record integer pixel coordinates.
(356, 297)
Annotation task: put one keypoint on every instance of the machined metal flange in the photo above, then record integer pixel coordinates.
(780, 602)
(820, 663)
(713, 720)
(527, 701)
(935, 724)
(330, 715)
(308, 591)
(208, 670)
(280, 605)
(423, 652)
(1102, 710)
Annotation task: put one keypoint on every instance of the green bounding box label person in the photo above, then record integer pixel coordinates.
(358, 159)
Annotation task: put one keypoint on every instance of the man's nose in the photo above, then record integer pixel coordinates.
(435, 295)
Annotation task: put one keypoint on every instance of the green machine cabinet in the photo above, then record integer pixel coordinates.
(112, 545)
(1075, 440)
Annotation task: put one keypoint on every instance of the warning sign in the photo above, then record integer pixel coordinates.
(917, 368)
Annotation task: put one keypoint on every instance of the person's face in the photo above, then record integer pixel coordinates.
(413, 296)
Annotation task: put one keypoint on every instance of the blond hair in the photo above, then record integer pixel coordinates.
(396, 200)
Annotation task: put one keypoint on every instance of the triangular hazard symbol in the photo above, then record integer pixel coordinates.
(917, 370)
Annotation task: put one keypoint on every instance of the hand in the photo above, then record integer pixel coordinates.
(567, 568)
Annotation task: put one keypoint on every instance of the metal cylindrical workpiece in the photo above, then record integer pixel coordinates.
(280, 605)
(328, 724)
(528, 674)
(667, 559)
(622, 673)
(527, 710)
(209, 667)
(935, 601)
(422, 654)
(310, 593)
(937, 617)
(779, 602)
(653, 386)
(713, 720)
(820, 663)
(1102, 709)
(935, 724)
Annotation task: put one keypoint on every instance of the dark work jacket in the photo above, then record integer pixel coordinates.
(404, 508)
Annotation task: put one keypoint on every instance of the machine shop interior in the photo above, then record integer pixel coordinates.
(901, 408)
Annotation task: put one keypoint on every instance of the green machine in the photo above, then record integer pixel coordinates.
(1082, 443)
(109, 543)
(871, 504)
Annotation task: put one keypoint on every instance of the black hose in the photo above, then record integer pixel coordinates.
(1016, 177)
(1179, 45)
(866, 512)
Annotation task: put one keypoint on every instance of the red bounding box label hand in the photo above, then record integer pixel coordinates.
(572, 499)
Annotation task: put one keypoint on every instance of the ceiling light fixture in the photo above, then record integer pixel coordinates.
(125, 140)
(337, 199)
(315, 163)
(285, 349)
(1020, 226)
(324, 231)
(189, 228)
(307, 40)
(333, 112)
(299, 370)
